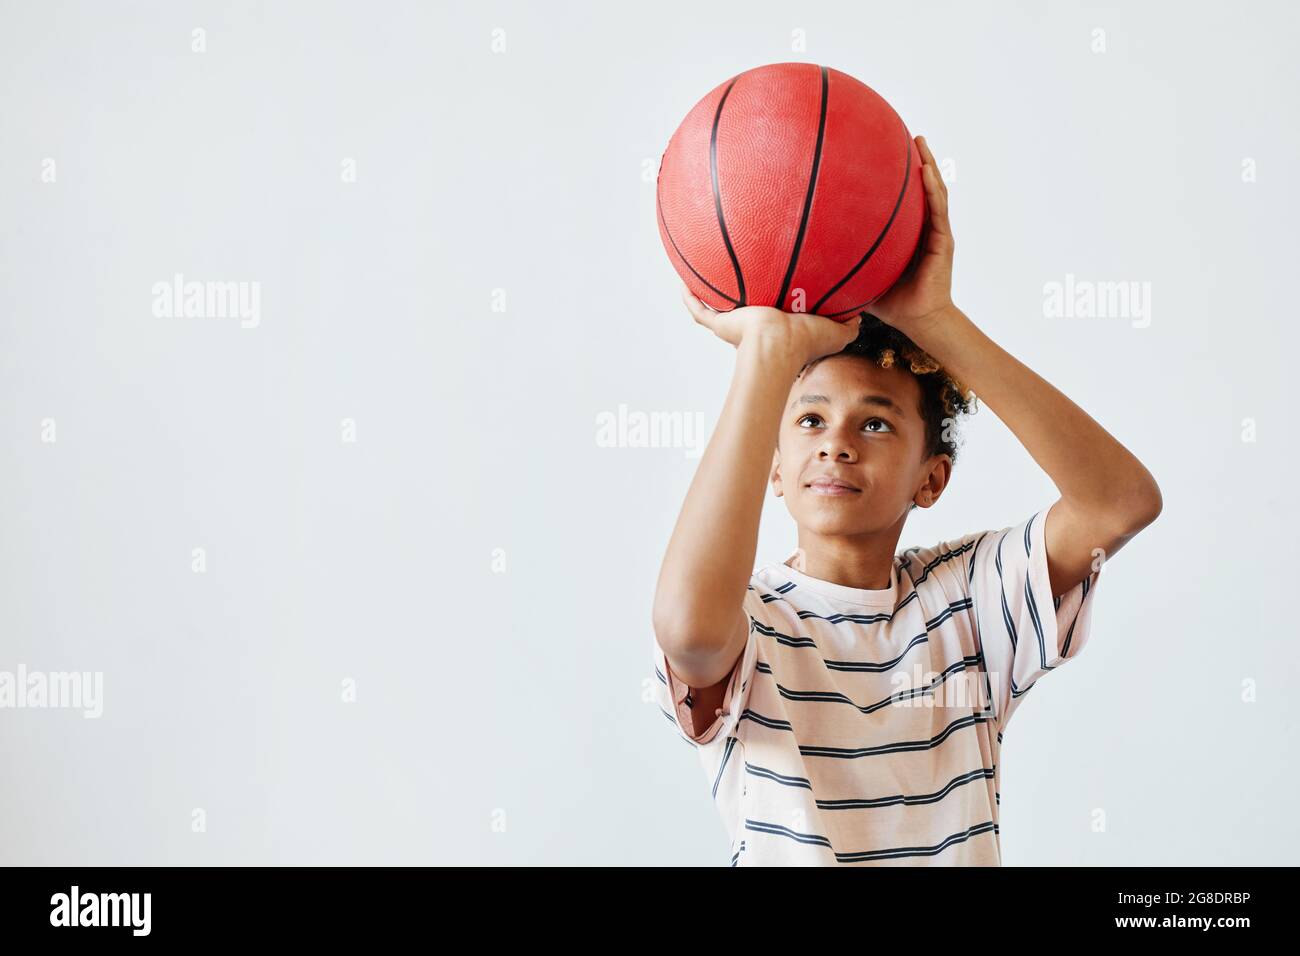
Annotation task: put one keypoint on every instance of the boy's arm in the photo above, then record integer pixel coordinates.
(699, 617)
(1107, 495)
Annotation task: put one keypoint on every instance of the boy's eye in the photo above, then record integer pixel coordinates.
(870, 421)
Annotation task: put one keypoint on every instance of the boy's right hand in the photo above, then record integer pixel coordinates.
(805, 336)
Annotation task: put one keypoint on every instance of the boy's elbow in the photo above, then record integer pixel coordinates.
(694, 637)
(676, 637)
(1147, 503)
(1158, 507)
(662, 628)
(1135, 500)
(670, 629)
(679, 617)
(1155, 504)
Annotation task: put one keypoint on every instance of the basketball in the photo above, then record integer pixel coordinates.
(791, 185)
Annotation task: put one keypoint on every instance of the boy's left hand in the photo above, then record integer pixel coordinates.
(925, 289)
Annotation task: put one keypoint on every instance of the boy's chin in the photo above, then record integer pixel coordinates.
(837, 520)
(831, 525)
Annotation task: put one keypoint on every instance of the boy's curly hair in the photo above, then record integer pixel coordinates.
(943, 398)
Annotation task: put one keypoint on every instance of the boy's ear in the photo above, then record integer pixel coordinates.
(774, 476)
(936, 480)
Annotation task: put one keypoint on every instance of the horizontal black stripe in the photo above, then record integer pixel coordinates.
(895, 853)
(853, 753)
(863, 803)
(835, 697)
(790, 640)
(875, 667)
(763, 721)
(781, 778)
(776, 829)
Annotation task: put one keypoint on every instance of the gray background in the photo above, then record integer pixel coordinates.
(520, 697)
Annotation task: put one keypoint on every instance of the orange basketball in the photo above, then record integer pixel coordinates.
(793, 185)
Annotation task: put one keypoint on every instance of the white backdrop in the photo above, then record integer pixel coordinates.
(359, 575)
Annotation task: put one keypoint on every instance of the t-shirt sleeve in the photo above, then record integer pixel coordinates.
(1022, 629)
(678, 700)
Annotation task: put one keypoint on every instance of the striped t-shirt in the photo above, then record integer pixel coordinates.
(863, 726)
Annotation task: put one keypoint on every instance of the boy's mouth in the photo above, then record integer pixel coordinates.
(832, 486)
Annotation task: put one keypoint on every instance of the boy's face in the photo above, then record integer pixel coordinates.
(877, 446)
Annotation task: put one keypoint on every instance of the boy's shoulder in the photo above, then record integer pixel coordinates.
(944, 558)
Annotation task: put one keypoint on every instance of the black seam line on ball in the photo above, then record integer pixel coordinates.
(807, 202)
(717, 194)
(716, 291)
(907, 174)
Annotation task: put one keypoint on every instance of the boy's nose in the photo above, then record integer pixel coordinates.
(839, 451)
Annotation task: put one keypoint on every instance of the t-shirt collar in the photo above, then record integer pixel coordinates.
(881, 597)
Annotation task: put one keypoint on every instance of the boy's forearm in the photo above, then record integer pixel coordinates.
(1087, 465)
(710, 556)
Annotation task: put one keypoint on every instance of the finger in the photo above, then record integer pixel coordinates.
(849, 328)
(928, 158)
(938, 201)
(691, 298)
(923, 148)
(846, 333)
(922, 245)
(697, 308)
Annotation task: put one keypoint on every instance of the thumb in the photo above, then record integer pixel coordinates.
(845, 331)
(696, 308)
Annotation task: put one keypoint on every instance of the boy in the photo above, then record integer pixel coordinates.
(848, 704)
